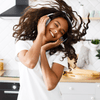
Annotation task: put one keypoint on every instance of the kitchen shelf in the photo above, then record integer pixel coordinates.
(93, 18)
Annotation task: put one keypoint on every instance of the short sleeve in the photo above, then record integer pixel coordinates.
(61, 61)
(19, 46)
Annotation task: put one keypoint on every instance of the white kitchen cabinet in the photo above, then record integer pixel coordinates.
(80, 91)
(78, 97)
(97, 91)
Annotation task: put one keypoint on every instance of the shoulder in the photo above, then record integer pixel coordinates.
(22, 42)
(59, 54)
(23, 45)
(61, 59)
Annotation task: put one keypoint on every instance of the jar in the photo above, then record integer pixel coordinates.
(1, 64)
(92, 13)
(81, 11)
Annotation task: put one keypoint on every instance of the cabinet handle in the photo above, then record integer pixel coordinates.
(70, 88)
(92, 98)
(14, 87)
(98, 85)
(11, 92)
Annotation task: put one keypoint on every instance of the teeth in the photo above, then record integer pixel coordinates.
(52, 34)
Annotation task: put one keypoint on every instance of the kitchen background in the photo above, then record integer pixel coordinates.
(7, 50)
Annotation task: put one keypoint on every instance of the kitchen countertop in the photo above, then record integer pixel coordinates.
(9, 76)
(66, 79)
(63, 79)
(9, 79)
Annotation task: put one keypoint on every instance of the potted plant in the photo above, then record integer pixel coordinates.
(98, 55)
(96, 41)
(94, 44)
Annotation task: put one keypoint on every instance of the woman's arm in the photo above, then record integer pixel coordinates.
(30, 57)
(52, 75)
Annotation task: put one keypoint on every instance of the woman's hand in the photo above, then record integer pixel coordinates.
(51, 45)
(41, 24)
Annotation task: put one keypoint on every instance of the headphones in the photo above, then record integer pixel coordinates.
(48, 21)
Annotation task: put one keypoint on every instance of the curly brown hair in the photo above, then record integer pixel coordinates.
(27, 26)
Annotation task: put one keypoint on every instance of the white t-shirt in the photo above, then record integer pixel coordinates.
(32, 86)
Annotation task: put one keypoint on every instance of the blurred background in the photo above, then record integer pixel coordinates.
(83, 7)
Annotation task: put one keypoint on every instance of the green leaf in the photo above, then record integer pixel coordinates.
(96, 41)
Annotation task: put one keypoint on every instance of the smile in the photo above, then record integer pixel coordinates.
(52, 34)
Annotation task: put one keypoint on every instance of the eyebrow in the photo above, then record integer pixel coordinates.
(60, 24)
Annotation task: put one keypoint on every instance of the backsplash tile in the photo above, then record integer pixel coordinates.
(7, 49)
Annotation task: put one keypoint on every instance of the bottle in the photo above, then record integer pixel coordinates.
(1, 64)
(81, 11)
(92, 13)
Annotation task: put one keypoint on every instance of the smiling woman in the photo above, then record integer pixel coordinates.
(44, 38)
(57, 28)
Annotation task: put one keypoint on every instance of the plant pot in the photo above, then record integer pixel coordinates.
(93, 47)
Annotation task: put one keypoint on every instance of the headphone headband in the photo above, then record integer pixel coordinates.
(67, 15)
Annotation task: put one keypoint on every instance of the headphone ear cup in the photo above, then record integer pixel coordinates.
(47, 22)
(62, 39)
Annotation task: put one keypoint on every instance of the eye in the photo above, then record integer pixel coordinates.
(56, 25)
(61, 32)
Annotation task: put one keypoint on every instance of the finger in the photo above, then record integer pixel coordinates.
(58, 42)
(61, 40)
(43, 19)
(46, 18)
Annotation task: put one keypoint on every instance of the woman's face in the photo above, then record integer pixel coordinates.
(56, 29)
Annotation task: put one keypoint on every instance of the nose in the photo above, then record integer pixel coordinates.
(55, 31)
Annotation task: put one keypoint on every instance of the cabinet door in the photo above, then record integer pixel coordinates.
(78, 97)
(9, 96)
(9, 86)
(97, 91)
(77, 88)
(1, 95)
(8, 91)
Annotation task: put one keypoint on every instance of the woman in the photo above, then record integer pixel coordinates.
(41, 52)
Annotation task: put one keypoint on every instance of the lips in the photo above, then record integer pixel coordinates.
(52, 34)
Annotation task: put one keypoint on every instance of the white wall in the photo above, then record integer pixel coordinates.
(7, 41)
